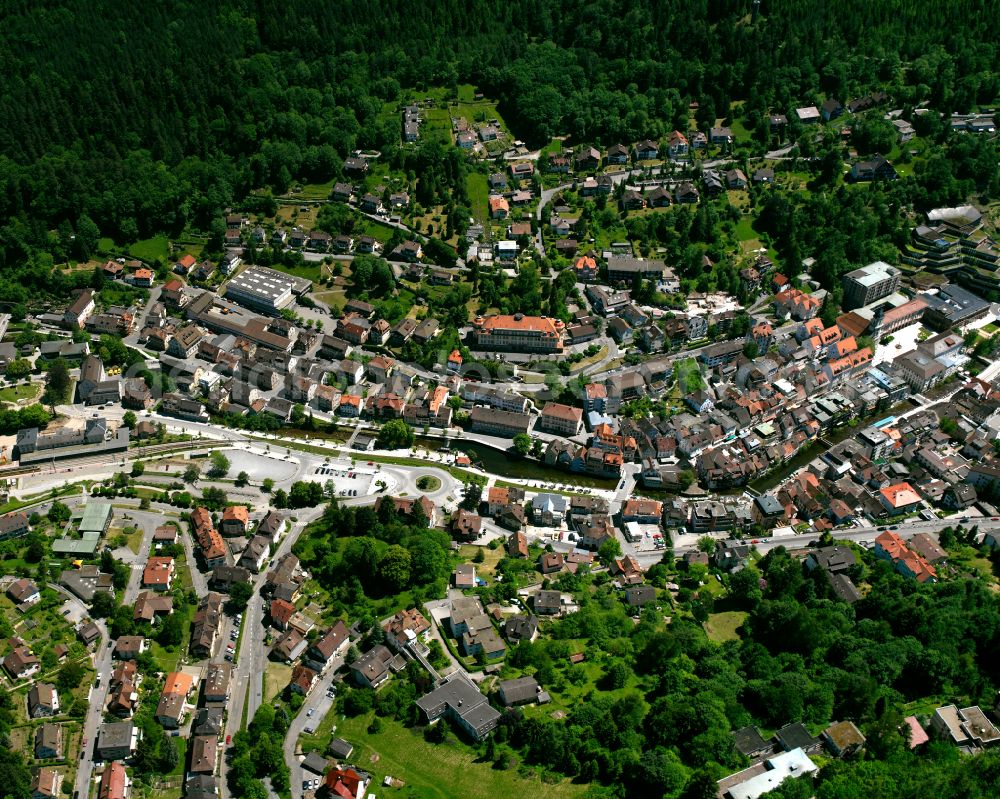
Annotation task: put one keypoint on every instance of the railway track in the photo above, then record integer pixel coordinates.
(103, 459)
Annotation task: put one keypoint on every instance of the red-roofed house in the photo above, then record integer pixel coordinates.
(586, 269)
(345, 783)
(899, 498)
(235, 519)
(889, 546)
(143, 278)
(561, 419)
(158, 574)
(917, 734)
(281, 613)
(185, 264)
(114, 782)
(499, 208)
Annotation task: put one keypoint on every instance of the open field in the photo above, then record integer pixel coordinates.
(150, 249)
(438, 771)
(479, 194)
(721, 627)
(276, 678)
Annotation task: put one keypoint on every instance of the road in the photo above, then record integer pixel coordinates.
(313, 710)
(251, 660)
(858, 535)
(102, 664)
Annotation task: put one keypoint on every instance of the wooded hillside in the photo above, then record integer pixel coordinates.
(146, 118)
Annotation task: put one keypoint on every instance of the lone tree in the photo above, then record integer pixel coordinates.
(219, 464)
(57, 382)
(192, 473)
(395, 434)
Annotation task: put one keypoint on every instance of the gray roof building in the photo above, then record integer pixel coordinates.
(522, 691)
(460, 699)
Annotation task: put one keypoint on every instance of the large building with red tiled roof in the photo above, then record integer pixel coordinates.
(114, 782)
(518, 333)
(890, 546)
(235, 519)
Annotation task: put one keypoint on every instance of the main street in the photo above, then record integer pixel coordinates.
(251, 658)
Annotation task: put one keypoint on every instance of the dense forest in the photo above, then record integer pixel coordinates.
(126, 120)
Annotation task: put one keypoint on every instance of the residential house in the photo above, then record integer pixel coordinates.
(289, 647)
(130, 647)
(522, 691)
(173, 697)
(843, 739)
(206, 624)
(520, 628)
(14, 525)
(158, 573)
(24, 592)
(373, 667)
(721, 136)
(235, 520)
(46, 783)
(117, 740)
(43, 700)
(878, 168)
(327, 647)
(647, 151)
(49, 741)
(547, 603)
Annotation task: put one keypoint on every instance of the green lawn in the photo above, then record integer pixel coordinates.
(428, 483)
(150, 249)
(479, 194)
(554, 147)
(309, 270)
(168, 659)
(20, 392)
(367, 227)
(740, 133)
(721, 627)
(744, 229)
(438, 771)
(134, 540)
(436, 124)
(315, 191)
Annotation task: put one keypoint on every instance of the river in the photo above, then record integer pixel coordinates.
(512, 466)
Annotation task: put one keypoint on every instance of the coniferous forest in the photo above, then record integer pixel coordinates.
(123, 120)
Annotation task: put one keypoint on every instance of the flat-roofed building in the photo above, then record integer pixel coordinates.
(266, 290)
(764, 777)
(625, 267)
(869, 283)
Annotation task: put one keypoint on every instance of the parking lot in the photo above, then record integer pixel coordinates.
(348, 480)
